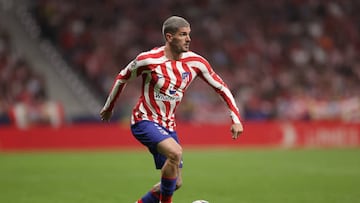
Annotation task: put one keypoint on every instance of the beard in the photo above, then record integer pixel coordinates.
(180, 48)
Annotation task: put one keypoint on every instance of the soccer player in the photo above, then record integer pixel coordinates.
(166, 73)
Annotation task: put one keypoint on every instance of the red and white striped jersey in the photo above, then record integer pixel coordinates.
(164, 85)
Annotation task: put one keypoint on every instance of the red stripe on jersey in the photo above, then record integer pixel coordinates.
(164, 89)
(167, 82)
(120, 88)
(177, 74)
(151, 55)
(140, 70)
(112, 103)
(126, 76)
(152, 101)
(199, 59)
(230, 104)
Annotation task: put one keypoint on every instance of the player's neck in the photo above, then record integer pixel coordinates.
(171, 54)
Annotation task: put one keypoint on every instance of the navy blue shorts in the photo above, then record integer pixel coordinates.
(150, 134)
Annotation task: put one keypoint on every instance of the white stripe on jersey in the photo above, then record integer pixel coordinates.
(148, 99)
(160, 104)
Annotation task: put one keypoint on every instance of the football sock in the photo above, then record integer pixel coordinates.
(167, 189)
(150, 197)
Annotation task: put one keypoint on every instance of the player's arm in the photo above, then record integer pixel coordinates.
(214, 80)
(126, 74)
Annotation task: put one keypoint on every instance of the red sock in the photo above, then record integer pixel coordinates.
(167, 189)
(165, 199)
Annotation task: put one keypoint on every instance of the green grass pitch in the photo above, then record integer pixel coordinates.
(216, 175)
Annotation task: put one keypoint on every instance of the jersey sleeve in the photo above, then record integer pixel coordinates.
(131, 71)
(214, 80)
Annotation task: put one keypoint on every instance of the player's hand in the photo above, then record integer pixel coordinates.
(236, 129)
(105, 115)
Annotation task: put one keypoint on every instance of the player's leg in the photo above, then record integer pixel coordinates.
(154, 194)
(156, 188)
(170, 170)
(159, 139)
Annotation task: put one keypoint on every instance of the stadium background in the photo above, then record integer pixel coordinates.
(288, 63)
(293, 67)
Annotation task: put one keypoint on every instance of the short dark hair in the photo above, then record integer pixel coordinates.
(173, 23)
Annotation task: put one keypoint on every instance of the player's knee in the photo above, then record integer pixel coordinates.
(175, 155)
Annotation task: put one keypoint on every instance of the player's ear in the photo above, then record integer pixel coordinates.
(168, 37)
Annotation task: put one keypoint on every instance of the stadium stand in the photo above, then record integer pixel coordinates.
(62, 85)
(23, 96)
(284, 60)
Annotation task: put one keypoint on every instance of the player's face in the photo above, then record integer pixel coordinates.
(180, 41)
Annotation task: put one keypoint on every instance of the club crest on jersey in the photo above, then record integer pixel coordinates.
(185, 76)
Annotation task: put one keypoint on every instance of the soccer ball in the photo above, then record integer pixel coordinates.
(200, 201)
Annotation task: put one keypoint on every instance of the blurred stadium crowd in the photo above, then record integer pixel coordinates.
(18, 82)
(286, 60)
